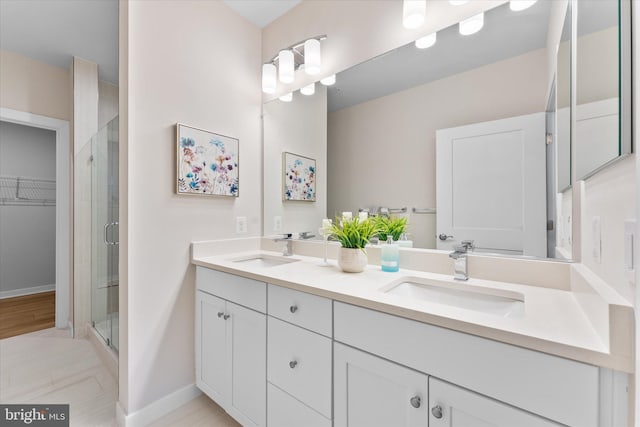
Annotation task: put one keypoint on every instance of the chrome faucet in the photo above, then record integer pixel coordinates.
(288, 247)
(459, 256)
(304, 235)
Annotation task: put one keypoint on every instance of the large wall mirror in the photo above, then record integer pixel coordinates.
(602, 134)
(454, 136)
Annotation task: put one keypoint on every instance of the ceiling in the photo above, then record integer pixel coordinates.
(261, 12)
(54, 31)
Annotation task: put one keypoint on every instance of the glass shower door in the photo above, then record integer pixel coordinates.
(104, 239)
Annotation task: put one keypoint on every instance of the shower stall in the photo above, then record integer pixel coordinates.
(104, 233)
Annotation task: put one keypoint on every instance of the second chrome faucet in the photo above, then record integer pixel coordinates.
(459, 255)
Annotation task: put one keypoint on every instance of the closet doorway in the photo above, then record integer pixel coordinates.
(37, 186)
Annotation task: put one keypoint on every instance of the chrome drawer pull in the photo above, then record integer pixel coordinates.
(293, 308)
(226, 316)
(220, 314)
(437, 411)
(293, 364)
(415, 401)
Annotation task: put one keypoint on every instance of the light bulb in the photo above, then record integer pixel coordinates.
(285, 66)
(287, 98)
(312, 56)
(518, 5)
(309, 89)
(426, 41)
(268, 78)
(472, 25)
(329, 80)
(413, 12)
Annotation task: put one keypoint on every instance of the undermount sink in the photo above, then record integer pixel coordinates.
(498, 302)
(263, 260)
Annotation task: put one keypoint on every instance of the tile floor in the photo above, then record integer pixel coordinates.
(49, 367)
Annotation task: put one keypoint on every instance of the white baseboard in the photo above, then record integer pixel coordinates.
(157, 409)
(27, 291)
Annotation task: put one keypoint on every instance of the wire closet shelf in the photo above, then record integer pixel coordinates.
(21, 191)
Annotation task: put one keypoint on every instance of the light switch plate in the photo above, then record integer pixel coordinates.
(277, 223)
(241, 224)
(630, 248)
(596, 239)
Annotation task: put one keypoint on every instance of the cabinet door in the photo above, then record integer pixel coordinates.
(370, 391)
(248, 353)
(212, 376)
(453, 406)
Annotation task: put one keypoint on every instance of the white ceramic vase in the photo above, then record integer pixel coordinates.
(352, 260)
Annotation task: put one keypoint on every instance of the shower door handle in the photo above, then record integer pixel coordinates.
(106, 232)
(115, 242)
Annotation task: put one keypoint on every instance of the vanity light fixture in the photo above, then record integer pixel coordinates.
(458, 2)
(312, 57)
(285, 62)
(269, 78)
(472, 25)
(426, 41)
(287, 98)
(286, 66)
(518, 5)
(309, 89)
(329, 80)
(413, 13)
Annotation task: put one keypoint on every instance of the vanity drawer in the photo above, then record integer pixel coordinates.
(246, 292)
(283, 410)
(299, 362)
(309, 311)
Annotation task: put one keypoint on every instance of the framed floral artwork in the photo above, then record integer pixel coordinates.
(207, 163)
(299, 178)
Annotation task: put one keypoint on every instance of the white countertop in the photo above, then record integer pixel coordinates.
(554, 321)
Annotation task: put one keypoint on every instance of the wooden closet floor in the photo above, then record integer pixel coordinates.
(28, 313)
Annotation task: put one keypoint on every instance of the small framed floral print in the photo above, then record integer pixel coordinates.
(207, 163)
(299, 177)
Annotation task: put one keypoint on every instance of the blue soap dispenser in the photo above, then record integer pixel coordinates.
(390, 256)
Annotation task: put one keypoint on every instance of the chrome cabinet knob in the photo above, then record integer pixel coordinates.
(226, 316)
(293, 308)
(437, 411)
(220, 314)
(293, 364)
(415, 401)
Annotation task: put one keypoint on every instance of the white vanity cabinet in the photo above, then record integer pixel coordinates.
(231, 344)
(370, 391)
(299, 359)
(452, 406)
(486, 380)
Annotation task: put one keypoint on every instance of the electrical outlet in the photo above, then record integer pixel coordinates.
(241, 224)
(277, 223)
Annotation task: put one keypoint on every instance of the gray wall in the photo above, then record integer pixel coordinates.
(27, 233)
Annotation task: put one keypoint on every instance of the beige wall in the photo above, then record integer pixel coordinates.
(298, 127)
(34, 87)
(356, 30)
(196, 63)
(382, 152)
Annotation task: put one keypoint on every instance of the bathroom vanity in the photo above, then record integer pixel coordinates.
(283, 341)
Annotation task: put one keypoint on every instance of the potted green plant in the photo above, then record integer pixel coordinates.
(394, 226)
(353, 235)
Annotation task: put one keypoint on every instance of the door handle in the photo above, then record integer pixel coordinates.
(443, 237)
